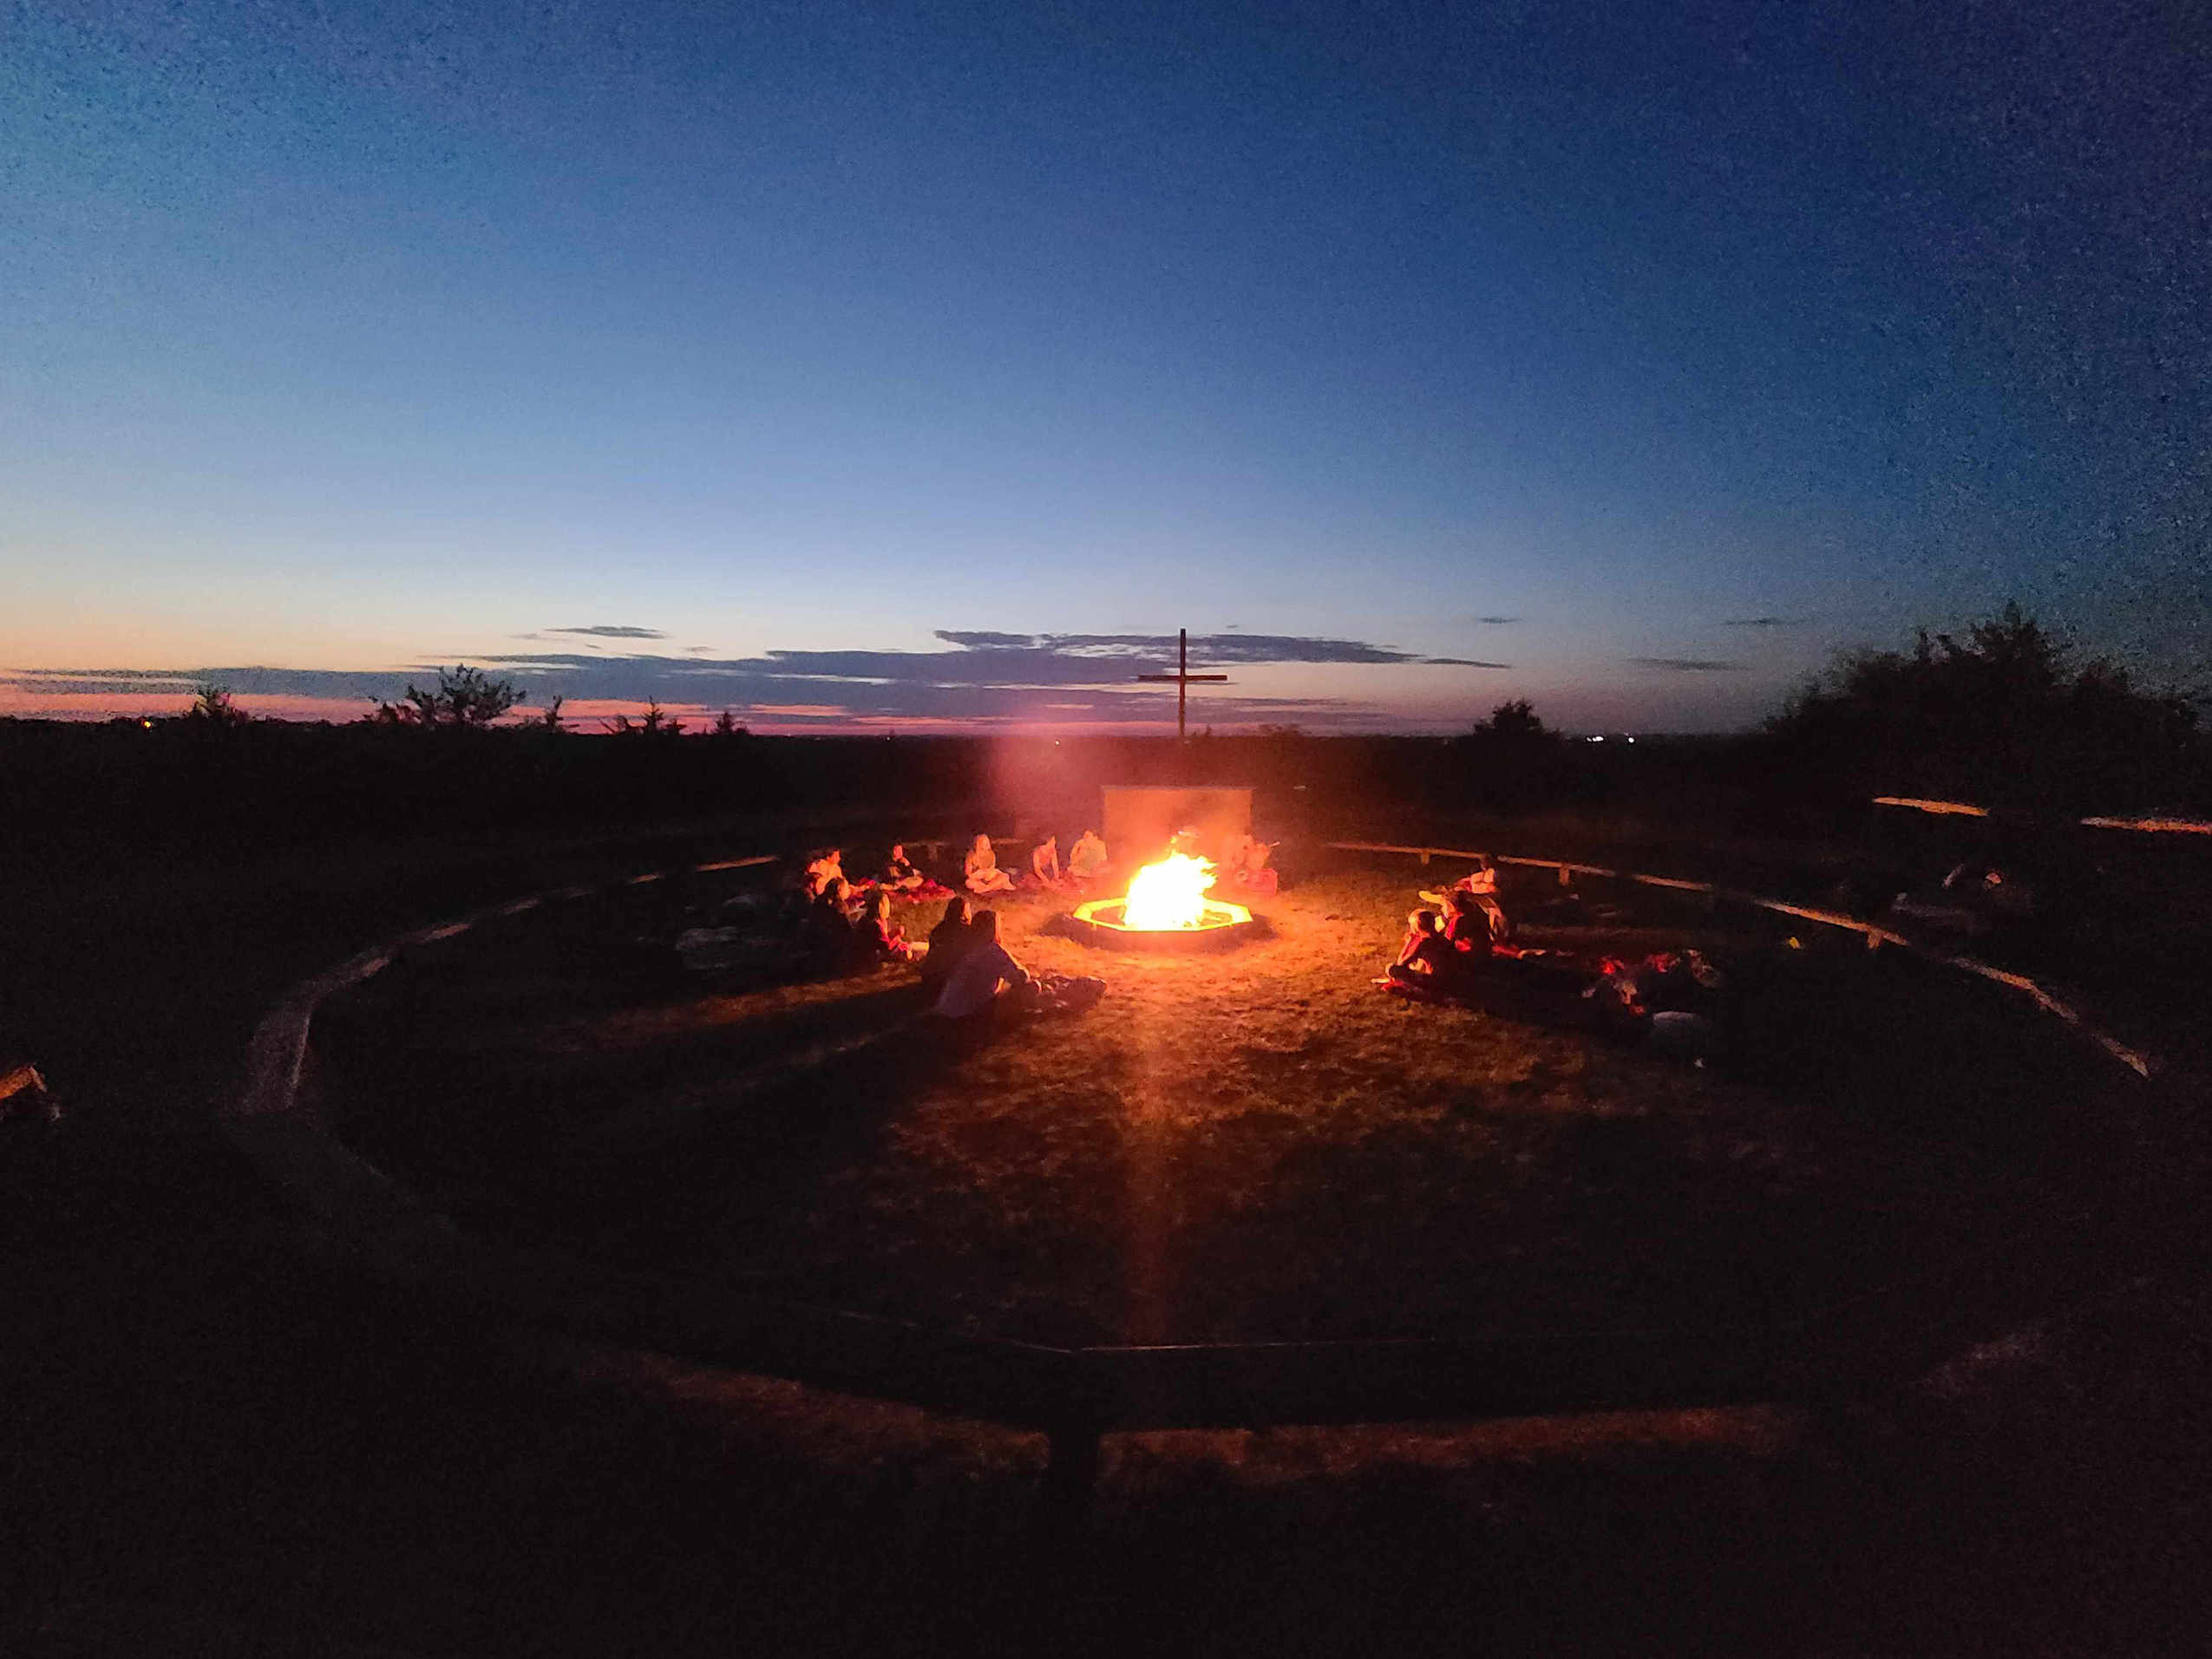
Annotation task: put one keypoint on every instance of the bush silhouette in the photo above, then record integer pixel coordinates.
(464, 697)
(211, 706)
(2008, 715)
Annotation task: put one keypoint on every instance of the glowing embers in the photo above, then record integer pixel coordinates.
(1166, 908)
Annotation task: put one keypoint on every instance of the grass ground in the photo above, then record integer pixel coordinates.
(213, 1442)
(1255, 1146)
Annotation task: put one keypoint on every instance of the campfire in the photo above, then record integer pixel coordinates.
(1166, 906)
(1171, 893)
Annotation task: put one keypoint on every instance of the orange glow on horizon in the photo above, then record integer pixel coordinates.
(586, 718)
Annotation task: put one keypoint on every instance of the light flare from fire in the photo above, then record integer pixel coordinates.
(1168, 894)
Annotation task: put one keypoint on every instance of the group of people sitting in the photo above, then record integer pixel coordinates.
(844, 929)
(1087, 861)
(1455, 936)
(1666, 1000)
(1475, 890)
(900, 875)
(1246, 865)
(971, 975)
(979, 869)
(1655, 987)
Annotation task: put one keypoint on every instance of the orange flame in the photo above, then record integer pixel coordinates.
(1171, 893)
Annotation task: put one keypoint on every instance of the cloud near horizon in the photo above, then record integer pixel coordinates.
(1215, 650)
(989, 680)
(1689, 664)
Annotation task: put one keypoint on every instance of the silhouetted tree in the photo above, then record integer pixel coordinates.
(463, 697)
(726, 725)
(656, 722)
(549, 718)
(211, 706)
(1517, 722)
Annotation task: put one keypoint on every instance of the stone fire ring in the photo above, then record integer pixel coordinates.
(1222, 926)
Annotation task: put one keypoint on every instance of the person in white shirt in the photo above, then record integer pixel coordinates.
(823, 871)
(984, 875)
(1087, 859)
(973, 986)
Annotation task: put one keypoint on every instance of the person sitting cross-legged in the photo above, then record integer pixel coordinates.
(984, 875)
(900, 873)
(1087, 857)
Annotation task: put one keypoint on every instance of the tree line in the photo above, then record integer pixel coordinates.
(2003, 715)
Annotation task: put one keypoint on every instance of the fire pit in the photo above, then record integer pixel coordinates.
(1165, 909)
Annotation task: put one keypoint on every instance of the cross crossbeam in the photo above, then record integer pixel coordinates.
(1184, 679)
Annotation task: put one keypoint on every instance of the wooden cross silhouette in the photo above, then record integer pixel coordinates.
(1183, 677)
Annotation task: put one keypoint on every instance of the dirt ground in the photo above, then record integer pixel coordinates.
(1254, 1145)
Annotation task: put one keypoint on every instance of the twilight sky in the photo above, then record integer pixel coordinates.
(923, 367)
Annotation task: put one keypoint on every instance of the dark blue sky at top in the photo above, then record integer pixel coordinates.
(349, 336)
